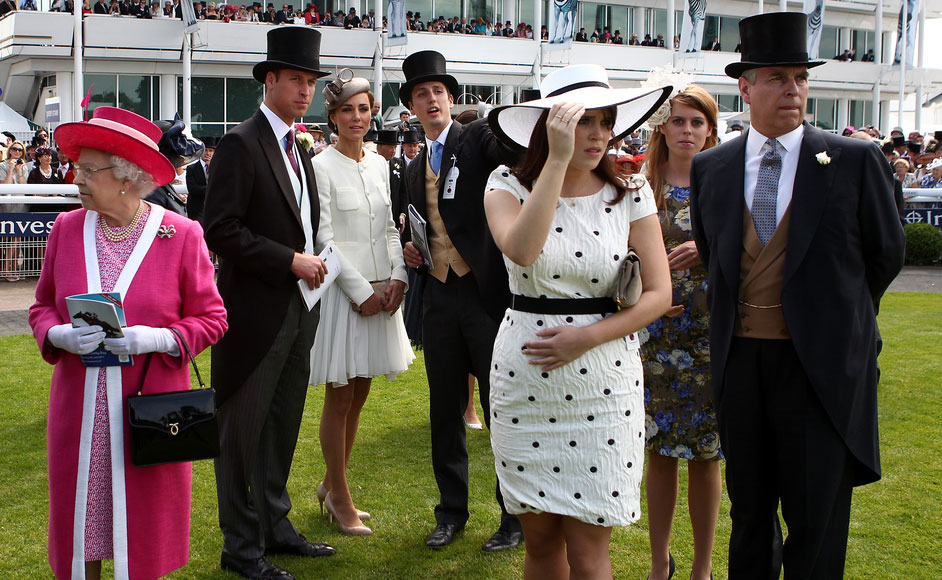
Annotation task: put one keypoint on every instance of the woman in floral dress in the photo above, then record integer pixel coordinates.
(680, 421)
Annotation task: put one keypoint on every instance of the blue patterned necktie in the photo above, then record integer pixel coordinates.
(436, 160)
(765, 199)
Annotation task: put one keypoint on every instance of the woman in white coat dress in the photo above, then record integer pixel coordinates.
(361, 333)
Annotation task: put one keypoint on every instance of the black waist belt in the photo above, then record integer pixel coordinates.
(562, 305)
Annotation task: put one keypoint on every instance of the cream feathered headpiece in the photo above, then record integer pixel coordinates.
(666, 75)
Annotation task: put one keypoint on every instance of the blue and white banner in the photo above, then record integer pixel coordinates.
(815, 11)
(396, 25)
(911, 9)
(26, 225)
(691, 33)
(562, 20)
(924, 216)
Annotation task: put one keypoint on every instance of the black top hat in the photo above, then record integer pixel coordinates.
(773, 39)
(210, 141)
(410, 136)
(387, 137)
(296, 47)
(422, 67)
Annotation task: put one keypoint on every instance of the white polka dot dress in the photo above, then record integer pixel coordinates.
(570, 441)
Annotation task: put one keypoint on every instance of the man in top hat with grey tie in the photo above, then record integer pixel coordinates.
(800, 235)
(261, 218)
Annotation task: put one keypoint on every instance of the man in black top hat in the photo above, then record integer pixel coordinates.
(261, 219)
(387, 140)
(466, 292)
(800, 235)
(411, 145)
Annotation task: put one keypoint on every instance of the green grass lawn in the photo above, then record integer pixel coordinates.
(895, 528)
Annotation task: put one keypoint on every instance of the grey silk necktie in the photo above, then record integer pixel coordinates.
(765, 199)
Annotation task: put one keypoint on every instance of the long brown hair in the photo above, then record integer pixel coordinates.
(538, 151)
(657, 153)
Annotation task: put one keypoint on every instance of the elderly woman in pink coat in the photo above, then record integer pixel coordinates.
(100, 505)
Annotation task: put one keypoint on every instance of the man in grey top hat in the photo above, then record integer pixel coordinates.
(800, 235)
(261, 218)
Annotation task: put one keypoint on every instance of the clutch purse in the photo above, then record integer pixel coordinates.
(628, 282)
(175, 426)
(379, 287)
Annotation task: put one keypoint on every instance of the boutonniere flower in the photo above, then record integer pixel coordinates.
(166, 231)
(823, 158)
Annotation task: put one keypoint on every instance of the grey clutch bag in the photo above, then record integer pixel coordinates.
(628, 282)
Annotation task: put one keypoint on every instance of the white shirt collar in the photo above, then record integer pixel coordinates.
(279, 127)
(441, 138)
(789, 141)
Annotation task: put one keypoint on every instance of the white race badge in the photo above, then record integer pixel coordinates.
(451, 181)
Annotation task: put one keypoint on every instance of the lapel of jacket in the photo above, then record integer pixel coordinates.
(812, 182)
(310, 187)
(415, 182)
(271, 148)
(452, 149)
(729, 207)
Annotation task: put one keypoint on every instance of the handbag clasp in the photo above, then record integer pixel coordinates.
(174, 428)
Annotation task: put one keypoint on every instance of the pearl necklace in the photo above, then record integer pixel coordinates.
(112, 236)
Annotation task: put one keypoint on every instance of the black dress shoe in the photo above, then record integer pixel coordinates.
(256, 568)
(503, 540)
(303, 548)
(442, 535)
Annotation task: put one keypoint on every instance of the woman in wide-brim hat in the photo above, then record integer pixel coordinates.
(361, 332)
(566, 398)
(102, 507)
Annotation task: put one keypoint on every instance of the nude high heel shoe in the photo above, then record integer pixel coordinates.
(322, 492)
(360, 530)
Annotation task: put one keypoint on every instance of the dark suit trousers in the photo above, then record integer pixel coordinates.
(258, 431)
(458, 337)
(781, 446)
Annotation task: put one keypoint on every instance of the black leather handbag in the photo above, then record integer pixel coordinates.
(176, 426)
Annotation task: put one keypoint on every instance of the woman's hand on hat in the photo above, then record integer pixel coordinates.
(561, 128)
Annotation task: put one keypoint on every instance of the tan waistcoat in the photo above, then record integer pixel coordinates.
(759, 312)
(444, 253)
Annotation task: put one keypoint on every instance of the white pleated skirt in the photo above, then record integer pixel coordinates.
(348, 345)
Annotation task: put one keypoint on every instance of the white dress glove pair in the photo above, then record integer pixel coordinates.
(142, 339)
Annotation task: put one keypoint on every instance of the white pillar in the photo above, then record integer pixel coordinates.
(379, 26)
(669, 41)
(506, 95)
(187, 79)
(78, 81)
(920, 54)
(638, 17)
(875, 116)
(168, 96)
(902, 64)
(378, 70)
(64, 90)
(782, 6)
(537, 22)
(878, 37)
(508, 11)
(761, 7)
(846, 34)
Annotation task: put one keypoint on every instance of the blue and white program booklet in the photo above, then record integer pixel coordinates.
(107, 311)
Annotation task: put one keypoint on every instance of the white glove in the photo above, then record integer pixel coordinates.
(141, 339)
(80, 340)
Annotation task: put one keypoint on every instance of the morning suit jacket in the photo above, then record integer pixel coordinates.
(253, 223)
(196, 191)
(398, 198)
(475, 151)
(845, 246)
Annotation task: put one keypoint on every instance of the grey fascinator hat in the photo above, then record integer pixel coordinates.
(342, 88)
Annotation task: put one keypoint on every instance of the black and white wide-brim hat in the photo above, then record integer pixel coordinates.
(584, 83)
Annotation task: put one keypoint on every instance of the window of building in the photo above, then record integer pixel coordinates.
(830, 42)
(824, 113)
(729, 103)
(862, 41)
(729, 33)
(861, 113)
(137, 93)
